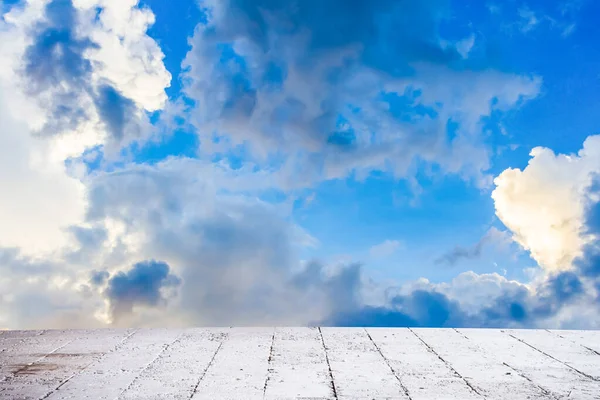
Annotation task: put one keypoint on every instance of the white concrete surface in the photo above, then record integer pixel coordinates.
(300, 363)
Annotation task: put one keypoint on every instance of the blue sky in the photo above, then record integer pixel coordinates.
(230, 162)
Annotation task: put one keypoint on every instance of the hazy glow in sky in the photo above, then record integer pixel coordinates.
(234, 162)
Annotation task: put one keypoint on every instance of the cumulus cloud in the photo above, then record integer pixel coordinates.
(88, 65)
(353, 89)
(530, 202)
(62, 92)
(236, 255)
(510, 305)
(544, 204)
(56, 66)
(38, 197)
(324, 92)
(230, 259)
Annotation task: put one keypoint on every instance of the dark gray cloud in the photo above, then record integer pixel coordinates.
(141, 285)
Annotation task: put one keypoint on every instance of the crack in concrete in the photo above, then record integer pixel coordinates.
(335, 396)
(447, 364)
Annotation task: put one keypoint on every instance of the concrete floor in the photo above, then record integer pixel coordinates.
(299, 363)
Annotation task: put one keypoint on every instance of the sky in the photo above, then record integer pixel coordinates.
(267, 162)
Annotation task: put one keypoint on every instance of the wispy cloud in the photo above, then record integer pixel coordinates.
(385, 249)
(493, 237)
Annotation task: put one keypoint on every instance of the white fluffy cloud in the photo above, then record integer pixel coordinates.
(40, 198)
(126, 56)
(543, 205)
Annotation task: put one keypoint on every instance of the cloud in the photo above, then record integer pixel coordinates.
(88, 64)
(326, 92)
(40, 293)
(561, 17)
(355, 89)
(141, 285)
(38, 197)
(234, 254)
(493, 236)
(563, 295)
(588, 263)
(55, 65)
(114, 110)
(229, 259)
(459, 253)
(70, 72)
(544, 204)
(514, 305)
(98, 278)
(385, 249)
(529, 20)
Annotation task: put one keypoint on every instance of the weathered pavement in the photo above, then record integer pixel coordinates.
(299, 363)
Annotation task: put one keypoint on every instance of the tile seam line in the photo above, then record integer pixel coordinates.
(270, 360)
(546, 392)
(38, 360)
(210, 363)
(574, 342)
(404, 388)
(160, 353)
(116, 348)
(333, 388)
(472, 387)
(554, 358)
